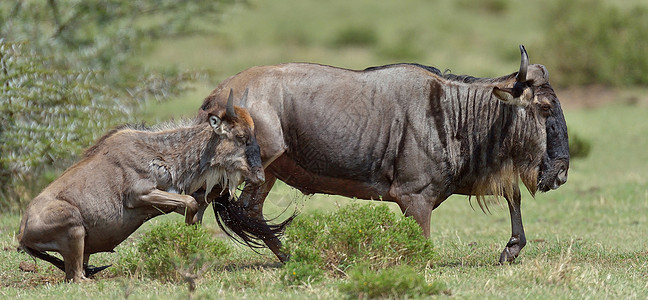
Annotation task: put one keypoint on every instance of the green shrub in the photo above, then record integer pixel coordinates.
(370, 234)
(170, 246)
(394, 282)
(579, 147)
(602, 44)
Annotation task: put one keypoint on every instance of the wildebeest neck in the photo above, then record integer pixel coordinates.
(489, 145)
(185, 157)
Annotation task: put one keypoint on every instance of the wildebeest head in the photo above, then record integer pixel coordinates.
(236, 128)
(531, 89)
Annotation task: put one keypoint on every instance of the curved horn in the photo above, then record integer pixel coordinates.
(524, 65)
(243, 102)
(229, 110)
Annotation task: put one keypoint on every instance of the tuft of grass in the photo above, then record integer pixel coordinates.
(394, 282)
(171, 248)
(355, 234)
(298, 273)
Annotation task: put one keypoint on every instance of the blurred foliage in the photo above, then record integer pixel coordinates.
(495, 7)
(68, 73)
(579, 147)
(603, 44)
(354, 35)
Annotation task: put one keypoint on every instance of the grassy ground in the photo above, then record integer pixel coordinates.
(586, 240)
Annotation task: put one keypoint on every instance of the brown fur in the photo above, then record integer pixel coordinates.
(130, 176)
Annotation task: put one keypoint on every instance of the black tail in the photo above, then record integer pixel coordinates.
(57, 262)
(243, 228)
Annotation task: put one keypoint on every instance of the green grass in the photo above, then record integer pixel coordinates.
(585, 240)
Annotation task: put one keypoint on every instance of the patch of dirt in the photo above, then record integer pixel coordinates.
(595, 96)
(28, 267)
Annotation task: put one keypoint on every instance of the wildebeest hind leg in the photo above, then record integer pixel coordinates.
(72, 252)
(90, 270)
(518, 239)
(161, 198)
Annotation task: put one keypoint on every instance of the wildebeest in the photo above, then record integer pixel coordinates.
(404, 133)
(132, 175)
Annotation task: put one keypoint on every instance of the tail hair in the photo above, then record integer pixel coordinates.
(57, 262)
(234, 220)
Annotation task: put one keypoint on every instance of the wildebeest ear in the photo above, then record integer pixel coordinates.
(214, 121)
(507, 95)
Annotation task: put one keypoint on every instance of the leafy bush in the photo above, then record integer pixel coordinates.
(602, 44)
(170, 246)
(394, 282)
(356, 234)
(579, 147)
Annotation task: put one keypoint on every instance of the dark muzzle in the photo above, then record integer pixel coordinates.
(253, 154)
(554, 176)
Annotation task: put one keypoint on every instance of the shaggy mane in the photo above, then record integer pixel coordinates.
(164, 126)
(447, 75)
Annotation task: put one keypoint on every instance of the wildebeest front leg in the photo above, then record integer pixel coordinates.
(419, 208)
(253, 198)
(518, 240)
(161, 198)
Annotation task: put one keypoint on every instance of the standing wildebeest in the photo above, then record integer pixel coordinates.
(132, 175)
(404, 133)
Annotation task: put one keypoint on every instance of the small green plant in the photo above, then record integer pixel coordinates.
(394, 282)
(356, 234)
(297, 273)
(579, 147)
(170, 247)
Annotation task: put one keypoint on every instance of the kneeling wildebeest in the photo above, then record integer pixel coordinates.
(405, 133)
(132, 175)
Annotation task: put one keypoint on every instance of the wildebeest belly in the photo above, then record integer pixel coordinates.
(104, 234)
(319, 181)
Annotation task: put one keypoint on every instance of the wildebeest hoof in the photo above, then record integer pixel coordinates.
(91, 270)
(508, 255)
(512, 250)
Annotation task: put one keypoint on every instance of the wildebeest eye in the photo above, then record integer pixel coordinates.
(546, 108)
(214, 121)
(242, 138)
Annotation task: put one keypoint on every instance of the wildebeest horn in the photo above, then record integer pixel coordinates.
(244, 99)
(229, 110)
(524, 65)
